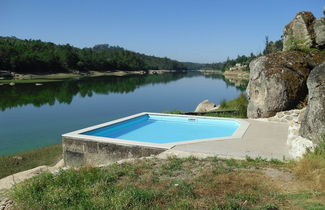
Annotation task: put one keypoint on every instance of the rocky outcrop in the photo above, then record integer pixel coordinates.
(319, 29)
(304, 31)
(300, 28)
(277, 82)
(313, 124)
(206, 106)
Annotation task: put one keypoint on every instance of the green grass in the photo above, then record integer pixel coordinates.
(186, 183)
(22, 161)
(238, 104)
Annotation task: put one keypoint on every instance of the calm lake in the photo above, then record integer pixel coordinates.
(36, 116)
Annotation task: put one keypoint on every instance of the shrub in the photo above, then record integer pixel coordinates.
(298, 45)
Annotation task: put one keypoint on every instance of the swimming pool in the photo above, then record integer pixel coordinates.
(160, 129)
(145, 134)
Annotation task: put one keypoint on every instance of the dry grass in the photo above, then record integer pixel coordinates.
(175, 183)
(311, 169)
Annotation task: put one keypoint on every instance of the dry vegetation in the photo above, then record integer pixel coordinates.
(175, 183)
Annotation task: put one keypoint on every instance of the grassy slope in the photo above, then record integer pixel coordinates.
(11, 164)
(173, 184)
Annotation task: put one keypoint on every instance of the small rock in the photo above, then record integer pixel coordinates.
(16, 157)
(301, 115)
(38, 84)
(206, 106)
(280, 114)
(11, 83)
(299, 146)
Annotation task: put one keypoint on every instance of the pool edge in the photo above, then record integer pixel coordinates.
(87, 149)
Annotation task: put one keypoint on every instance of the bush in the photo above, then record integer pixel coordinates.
(240, 104)
(298, 45)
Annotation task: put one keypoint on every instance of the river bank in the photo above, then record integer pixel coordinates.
(229, 74)
(53, 77)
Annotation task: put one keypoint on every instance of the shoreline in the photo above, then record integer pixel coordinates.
(55, 77)
(236, 75)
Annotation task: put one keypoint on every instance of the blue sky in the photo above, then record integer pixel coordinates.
(186, 30)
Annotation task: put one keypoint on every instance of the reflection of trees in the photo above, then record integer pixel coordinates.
(63, 92)
(239, 84)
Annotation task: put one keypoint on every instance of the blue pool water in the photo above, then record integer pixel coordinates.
(166, 129)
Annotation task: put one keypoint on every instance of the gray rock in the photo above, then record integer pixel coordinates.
(301, 29)
(313, 123)
(277, 82)
(301, 115)
(319, 28)
(205, 106)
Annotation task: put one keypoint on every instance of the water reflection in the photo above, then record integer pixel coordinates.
(240, 84)
(64, 91)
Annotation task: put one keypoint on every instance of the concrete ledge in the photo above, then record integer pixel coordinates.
(77, 152)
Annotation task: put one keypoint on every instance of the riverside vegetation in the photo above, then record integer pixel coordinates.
(36, 56)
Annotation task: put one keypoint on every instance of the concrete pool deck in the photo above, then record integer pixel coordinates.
(262, 139)
(254, 138)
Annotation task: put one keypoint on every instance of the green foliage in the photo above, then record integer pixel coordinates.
(15, 163)
(319, 150)
(239, 104)
(173, 112)
(298, 45)
(25, 56)
(223, 66)
(272, 47)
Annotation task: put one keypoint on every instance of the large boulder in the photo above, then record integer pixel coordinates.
(299, 30)
(319, 28)
(313, 124)
(277, 82)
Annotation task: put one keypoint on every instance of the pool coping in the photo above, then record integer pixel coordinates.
(77, 134)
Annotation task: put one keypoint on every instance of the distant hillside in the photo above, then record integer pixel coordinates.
(26, 56)
(270, 47)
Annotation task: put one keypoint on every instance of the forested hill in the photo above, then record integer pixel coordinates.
(26, 56)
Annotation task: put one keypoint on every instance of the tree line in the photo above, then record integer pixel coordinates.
(25, 56)
(270, 47)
